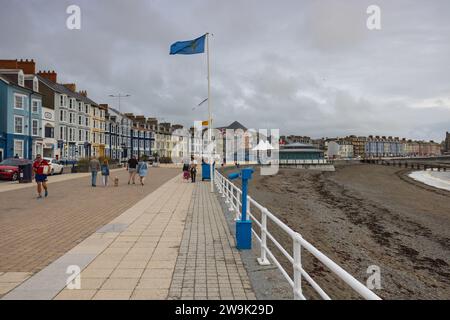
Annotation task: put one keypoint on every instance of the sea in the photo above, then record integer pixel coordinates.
(437, 179)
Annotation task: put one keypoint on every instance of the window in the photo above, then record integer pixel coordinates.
(49, 132)
(80, 120)
(80, 135)
(71, 134)
(18, 125)
(35, 85)
(61, 133)
(34, 127)
(21, 79)
(88, 136)
(19, 101)
(18, 148)
(61, 100)
(80, 107)
(35, 106)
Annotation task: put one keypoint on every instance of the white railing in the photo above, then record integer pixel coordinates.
(233, 198)
(302, 161)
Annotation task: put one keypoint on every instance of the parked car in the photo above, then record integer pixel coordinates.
(56, 166)
(9, 168)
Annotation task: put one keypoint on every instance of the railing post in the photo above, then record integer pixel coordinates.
(231, 208)
(227, 191)
(298, 295)
(263, 261)
(222, 185)
(236, 207)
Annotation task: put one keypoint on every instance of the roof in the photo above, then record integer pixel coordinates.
(301, 150)
(235, 125)
(62, 89)
(8, 81)
(298, 145)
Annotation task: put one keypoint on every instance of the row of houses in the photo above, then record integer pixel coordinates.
(39, 115)
(369, 147)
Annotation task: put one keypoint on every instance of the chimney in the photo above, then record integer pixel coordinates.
(49, 75)
(8, 64)
(83, 93)
(71, 86)
(28, 67)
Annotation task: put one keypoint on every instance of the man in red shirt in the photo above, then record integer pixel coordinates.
(40, 168)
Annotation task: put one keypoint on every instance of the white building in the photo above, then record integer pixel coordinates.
(48, 133)
(339, 149)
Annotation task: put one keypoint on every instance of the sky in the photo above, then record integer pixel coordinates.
(305, 67)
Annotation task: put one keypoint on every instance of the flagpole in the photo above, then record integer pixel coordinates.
(211, 162)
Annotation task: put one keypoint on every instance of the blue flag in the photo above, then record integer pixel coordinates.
(189, 47)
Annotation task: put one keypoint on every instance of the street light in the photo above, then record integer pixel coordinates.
(119, 96)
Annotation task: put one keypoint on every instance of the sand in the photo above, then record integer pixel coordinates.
(364, 215)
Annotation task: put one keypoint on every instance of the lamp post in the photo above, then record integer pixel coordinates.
(119, 96)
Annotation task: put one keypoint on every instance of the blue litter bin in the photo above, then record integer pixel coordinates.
(206, 171)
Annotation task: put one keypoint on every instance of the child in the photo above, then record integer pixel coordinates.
(142, 170)
(105, 172)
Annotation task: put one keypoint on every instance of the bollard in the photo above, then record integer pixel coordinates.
(243, 226)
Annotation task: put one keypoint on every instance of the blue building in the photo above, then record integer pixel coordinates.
(141, 135)
(20, 115)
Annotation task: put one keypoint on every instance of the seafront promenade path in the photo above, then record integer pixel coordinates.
(166, 240)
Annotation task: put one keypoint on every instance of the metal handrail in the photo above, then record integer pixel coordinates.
(233, 195)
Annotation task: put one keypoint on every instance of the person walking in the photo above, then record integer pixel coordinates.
(186, 174)
(193, 169)
(131, 167)
(94, 167)
(142, 170)
(41, 168)
(105, 172)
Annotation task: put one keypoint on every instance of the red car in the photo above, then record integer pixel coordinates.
(9, 168)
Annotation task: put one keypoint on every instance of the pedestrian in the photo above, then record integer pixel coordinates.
(186, 175)
(105, 172)
(94, 167)
(16, 156)
(41, 169)
(142, 169)
(193, 169)
(131, 167)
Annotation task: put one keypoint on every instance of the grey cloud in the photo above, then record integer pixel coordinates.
(306, 67)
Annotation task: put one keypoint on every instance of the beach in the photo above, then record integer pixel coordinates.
(363, 215)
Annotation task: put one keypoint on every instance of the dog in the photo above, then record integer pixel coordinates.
(116, 182)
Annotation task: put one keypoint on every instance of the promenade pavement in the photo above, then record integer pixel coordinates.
(34, 233)
(172, 244)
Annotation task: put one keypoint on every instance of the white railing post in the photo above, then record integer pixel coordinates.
(263, 261)
(236, 207)
(298, 295)
(231, 208)
(227, 191)
(222, 184)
